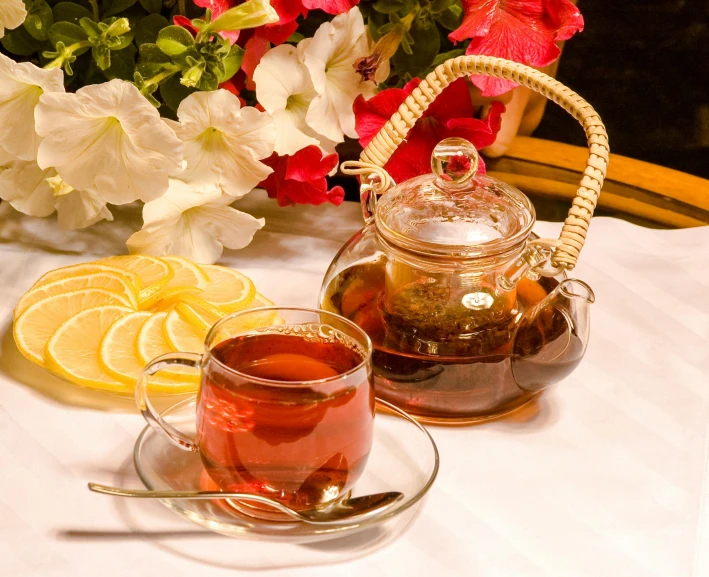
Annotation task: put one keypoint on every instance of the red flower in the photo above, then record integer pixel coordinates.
(218, 7)
(451, 114)
(276, 33)
(330, 6)
(185, 23)
(289, 10)
(300, 178)
(525, 31)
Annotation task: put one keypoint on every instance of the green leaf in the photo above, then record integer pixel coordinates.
(20, 43)
(149, 27)
(70, 12)
(152, 60)
(450, 18)
(186, 59)
(69, 34)
(441, 58)
(174, 40)
(295, 38)
(90, 27)
(208, 81)
(152, 53)
(426, 45)
(39, 19)
(389, 6)
(232, 63)
(122, 64)
(172, 92)
(118, 6)
(151, 6)
(440, 5)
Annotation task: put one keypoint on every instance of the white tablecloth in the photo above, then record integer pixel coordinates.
(606, 475)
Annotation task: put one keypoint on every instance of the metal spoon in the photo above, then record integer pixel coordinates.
(340, 512)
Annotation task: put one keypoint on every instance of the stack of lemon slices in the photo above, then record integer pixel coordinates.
(97, 324)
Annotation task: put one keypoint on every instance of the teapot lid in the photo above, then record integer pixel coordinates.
(455, 212)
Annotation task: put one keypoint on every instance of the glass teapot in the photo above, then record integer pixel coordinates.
(471, 314)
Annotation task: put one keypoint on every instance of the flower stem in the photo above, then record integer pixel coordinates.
(181, 8)
(158, 79)
(94, 9)
(58, 62)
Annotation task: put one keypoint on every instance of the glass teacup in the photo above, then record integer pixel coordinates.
(285, 407)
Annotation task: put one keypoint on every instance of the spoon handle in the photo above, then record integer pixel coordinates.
(191, 495)
(144, 494)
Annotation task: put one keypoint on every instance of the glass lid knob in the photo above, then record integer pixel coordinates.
(454, 162)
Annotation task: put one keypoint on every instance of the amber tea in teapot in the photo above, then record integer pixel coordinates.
(447, 280)
(471, 375)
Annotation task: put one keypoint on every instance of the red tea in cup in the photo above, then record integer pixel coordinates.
(297, 443)
(284, 410)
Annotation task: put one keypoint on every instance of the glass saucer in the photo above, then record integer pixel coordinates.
(404, 458)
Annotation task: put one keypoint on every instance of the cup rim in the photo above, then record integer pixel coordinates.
(289, 384)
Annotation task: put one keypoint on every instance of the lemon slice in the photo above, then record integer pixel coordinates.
(119, 357)
(165, 299)
(34, 327)
(182, 335)
(73, 351)
(150, 270)
(104, 280)
(152, 343)
(228, 289)
(201, 317)
(118, 353)
(86, 268)
(186, 273)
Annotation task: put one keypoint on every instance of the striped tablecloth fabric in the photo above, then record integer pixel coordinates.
(606, 475)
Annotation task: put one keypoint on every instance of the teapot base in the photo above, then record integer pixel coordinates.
(461, 420)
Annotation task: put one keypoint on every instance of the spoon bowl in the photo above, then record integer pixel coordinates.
(340, 512)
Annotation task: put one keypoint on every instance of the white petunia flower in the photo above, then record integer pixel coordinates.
(37, 192)
(77, 209)
(223, 143)
(109, 140)
(5, 159)
(330, 56)
(194, 225)
(12, 14)
(21, 85)
(24, 185)
(285, 90)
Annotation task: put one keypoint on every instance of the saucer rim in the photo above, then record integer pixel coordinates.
(247, 532)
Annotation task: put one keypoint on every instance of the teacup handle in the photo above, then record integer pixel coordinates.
(149, 413)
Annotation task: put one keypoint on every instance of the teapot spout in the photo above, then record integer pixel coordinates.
(552, 336)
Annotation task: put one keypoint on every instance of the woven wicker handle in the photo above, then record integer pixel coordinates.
(392, 134)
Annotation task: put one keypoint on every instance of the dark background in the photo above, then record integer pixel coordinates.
(644, 66)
